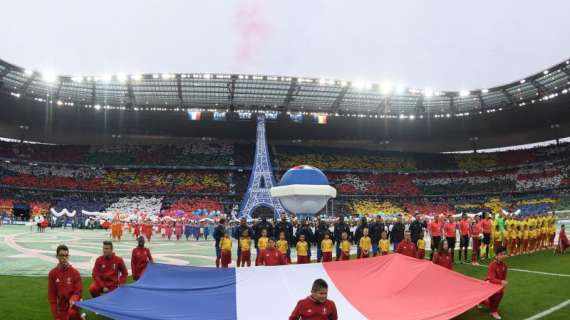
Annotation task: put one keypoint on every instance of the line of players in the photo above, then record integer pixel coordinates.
(518, 235)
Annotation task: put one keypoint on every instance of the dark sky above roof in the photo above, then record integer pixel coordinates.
(444, 44)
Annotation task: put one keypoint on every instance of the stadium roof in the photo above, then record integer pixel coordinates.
(176, 92)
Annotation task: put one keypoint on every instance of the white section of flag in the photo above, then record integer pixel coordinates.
(273, 292)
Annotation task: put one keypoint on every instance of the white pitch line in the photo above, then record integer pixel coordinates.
(549, 311)
(531, 271)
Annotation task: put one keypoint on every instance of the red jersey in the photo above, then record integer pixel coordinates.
(464, 227)
(63, 284)
(476, 230)
(109, 272)
(407, 248)
(443, 259)
(310, 309)
(272, 257)
(435, 228)
(486, 225)
(449, 229)
(497, 272)
(139, 259)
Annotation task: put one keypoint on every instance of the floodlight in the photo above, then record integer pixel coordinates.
(28, 72)
(386, 88)
(484, 90)
(428, 92)
(400, 89)
(136, 77)
(49, 76)
(97, 107)
(463, 93)
(106, 77)
(121, 77)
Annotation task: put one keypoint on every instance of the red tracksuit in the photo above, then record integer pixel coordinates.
(309, 309)
(496, 273)
(109, 273)
(407, 248)
(475, 235)
(147, 231)
(272, 257)
(64, 285)
(443, 259)
(137, 230)
(139, 259)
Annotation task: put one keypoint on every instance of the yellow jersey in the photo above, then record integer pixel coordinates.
(532, 222)
(507, 234)
(365, 243)
(226, 244)
(282, 246)
(262, 243)
(302, 248)
(245, 243)
(496, 235)
(326, 245)
(421, 244)
(384, 245)
(525, 234)
(532, 234)
(345, 246)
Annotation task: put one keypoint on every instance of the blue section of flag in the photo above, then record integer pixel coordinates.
(172, 292)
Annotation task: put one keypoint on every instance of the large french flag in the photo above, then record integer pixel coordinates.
(388, 287)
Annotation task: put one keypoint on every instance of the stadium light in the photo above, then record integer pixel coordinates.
(522, 81)
(343, 83)
(545, 72)
(400, 89)
(121, 77)
(49, 76)
(136, 77)
(97, 107)
(322, 82)
(386, 88)
(106, 77)
(207, 76)
(360, 85)
(428, 92)
(77, 78)
(484, 90)
(28, 72)
(464, 93)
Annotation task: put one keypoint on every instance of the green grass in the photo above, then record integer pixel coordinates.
(527, 294)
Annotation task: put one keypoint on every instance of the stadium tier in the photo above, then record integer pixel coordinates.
(368, 182)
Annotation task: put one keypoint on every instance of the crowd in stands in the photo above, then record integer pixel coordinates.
(426, 183)
(196, 153)
(131, 180)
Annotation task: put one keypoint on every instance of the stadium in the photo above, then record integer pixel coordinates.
(189, 160)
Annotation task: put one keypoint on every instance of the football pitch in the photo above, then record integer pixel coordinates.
(539, 283)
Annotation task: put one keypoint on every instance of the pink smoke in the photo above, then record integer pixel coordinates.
(252, 28)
